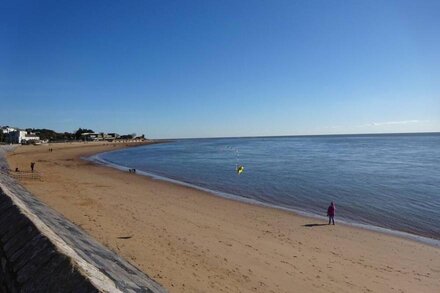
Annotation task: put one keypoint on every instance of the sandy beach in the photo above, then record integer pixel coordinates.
(192, 241)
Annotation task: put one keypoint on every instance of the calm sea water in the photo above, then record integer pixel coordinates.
(390, 181)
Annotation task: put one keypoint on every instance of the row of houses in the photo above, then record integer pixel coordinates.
(19, 136)
(89, 136)
(15, 135)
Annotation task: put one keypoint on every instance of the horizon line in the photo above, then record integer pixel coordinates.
(306, 135)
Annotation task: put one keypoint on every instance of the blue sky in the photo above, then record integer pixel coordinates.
(221, 68)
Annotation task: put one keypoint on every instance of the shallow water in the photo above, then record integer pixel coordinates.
(390, 181)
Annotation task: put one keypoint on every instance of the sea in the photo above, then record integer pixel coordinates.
(387, 182)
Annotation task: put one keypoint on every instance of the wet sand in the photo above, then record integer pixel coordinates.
(192, 241)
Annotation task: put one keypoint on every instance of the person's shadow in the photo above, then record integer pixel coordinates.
(314, 225)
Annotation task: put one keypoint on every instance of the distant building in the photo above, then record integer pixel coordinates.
(88, 136)
(140, 137)
(126, 136)
(30, 137)
(7, 129)
(21, 136)
(112, 136)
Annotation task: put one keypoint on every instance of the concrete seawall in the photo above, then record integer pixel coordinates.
(29, 261)
(41, 251)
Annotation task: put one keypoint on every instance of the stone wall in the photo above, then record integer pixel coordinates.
(29, 261)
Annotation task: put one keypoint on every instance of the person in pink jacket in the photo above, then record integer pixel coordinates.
(331, 213)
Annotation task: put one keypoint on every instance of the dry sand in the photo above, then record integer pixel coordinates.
(192, 241)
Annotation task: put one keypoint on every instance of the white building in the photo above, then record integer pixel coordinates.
(21, 136)
(87, 136)
(90, 136)
(30, 137)
(7, 129)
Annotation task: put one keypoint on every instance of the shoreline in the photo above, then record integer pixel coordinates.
(193, 241)
(302, 213)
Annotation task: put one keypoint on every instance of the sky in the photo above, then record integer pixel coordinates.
(174, 69)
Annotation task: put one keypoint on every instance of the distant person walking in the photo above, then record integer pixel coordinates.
(32, 166)
(331, 213)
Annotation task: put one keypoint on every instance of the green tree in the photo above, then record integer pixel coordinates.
(81, 131)
(45, 134)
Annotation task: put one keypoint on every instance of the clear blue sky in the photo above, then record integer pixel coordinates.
(221, 68)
